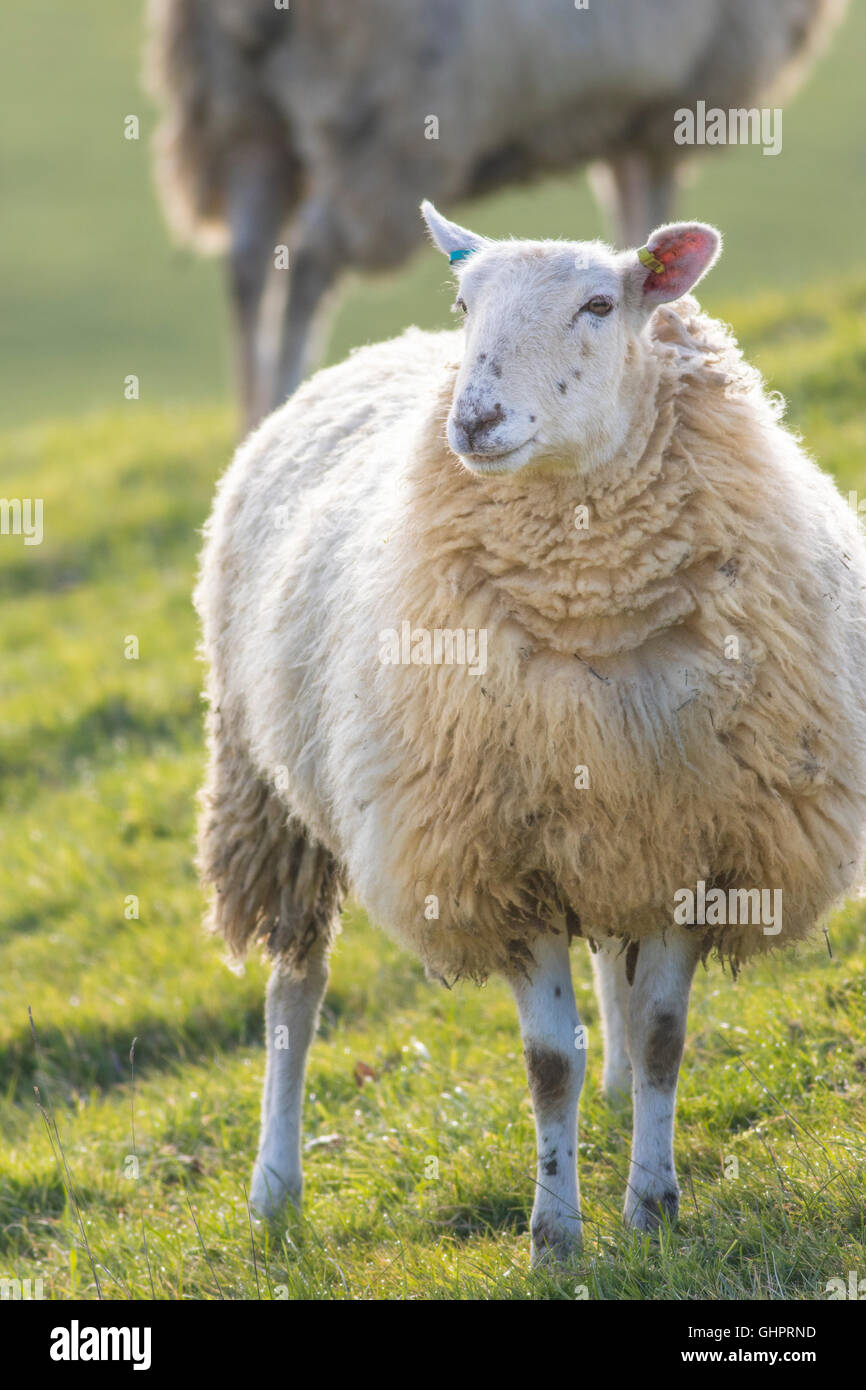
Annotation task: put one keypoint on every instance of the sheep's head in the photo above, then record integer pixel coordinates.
(555, 352)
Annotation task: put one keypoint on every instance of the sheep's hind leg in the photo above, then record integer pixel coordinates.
(257, 200)
(273, 884)
(313, 264)
(291, 1017)
(553, 1047)
(636, 192)
(657, 1011)
(609, 964)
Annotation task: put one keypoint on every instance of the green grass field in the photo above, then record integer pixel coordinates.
(100, 757)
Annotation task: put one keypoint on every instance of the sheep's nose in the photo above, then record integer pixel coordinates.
(475, 424)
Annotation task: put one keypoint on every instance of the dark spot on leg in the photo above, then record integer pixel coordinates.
(549, 1073)
(652, 1211)
(482, 357)
(549, 1164)
(631, 956)
(532, 419)
(664, 1049)
(561, 387)
(557, 993)
(578, 375)
(670, 1204)
(552, 1241)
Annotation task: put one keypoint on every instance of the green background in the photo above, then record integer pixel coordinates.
(92, 288)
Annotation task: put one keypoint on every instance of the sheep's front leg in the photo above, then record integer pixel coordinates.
(555, 1054)
(291, 1016)
(614, 992)
(657, 1010)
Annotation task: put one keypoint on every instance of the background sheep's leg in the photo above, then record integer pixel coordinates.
(637, 194)
(314, 262)
(555, 1065)
(291, 1016)
(257, 203)
(613, 990)
(657, 1012)
(661, 194)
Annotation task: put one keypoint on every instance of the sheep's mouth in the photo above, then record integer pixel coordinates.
(502, 462)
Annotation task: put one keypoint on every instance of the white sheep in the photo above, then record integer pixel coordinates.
(666, 716)
(321, 125)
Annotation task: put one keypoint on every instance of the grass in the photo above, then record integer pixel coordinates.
(419, 1183)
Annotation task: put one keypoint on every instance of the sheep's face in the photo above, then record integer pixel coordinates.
(554, 356)
(547, 343)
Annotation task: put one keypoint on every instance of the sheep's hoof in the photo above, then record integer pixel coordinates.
(649, 1212)
(553, 1243)
(269, 1193)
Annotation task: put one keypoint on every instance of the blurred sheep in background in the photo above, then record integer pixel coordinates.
(321, 126)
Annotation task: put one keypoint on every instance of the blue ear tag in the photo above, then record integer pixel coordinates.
(460, 255)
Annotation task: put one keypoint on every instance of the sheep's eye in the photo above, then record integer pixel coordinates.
(599, 305)
(461, 305)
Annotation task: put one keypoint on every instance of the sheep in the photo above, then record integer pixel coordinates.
(669, 707)
(325, 122)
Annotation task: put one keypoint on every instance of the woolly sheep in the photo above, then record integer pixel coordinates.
(309, 124)
(667, 703)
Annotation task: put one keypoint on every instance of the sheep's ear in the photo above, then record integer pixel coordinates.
(453, 241)
(674, 259)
